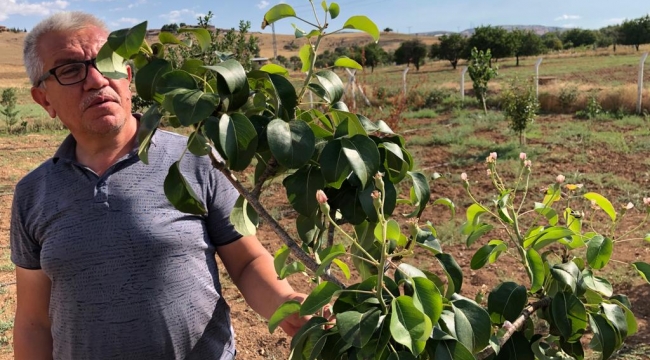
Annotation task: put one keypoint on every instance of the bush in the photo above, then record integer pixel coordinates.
(520, 106)
(9, 103)
(593, 109)
(568, 97)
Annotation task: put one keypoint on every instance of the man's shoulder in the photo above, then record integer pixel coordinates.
(36, 175)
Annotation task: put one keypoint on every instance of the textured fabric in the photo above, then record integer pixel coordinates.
(132, 277)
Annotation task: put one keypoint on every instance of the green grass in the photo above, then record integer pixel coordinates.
(420, 114)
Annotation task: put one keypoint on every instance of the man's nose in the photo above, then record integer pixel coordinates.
(95, 79)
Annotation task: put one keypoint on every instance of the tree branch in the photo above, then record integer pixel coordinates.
(279, 230)
(516, 326)
(271, 166)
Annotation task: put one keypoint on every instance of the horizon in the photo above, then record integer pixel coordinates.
(422, 16)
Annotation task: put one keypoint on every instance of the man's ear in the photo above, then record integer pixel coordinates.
(38, 94)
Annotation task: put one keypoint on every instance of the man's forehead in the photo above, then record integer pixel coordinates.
(64, 46)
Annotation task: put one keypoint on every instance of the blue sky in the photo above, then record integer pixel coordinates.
(405, 16)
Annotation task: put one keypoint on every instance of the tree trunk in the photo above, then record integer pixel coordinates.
(517, 57)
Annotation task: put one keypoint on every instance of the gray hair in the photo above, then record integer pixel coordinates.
(61, 21)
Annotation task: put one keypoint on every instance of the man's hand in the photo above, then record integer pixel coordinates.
(294, 322)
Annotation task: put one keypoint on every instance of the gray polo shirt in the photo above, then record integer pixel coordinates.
(132, 277)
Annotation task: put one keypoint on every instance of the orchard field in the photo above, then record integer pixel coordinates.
(606, 149)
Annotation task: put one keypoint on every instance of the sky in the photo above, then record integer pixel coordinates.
(404, 16)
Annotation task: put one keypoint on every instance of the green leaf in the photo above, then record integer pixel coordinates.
(548, 212)
(569, 316)
(346, 62)
(357, 328)
(319, 297)
(481, 256)
(632, 326)
(244, 217)
(292, 143)
(517, 347)
(616, 316)
(193, 106)
(477, 232)
(596, 283)
(166, 37)
(427, 240)
(451, 350)
(536, 265)
(605, 337)
(420, 191)
(364, 24)
(306, 57)
(275, 69)
(280, 258)
(127, 42)
(284, 311)
(197, 144)
(394, 161)
(345, 269)
(506, 302)
(567, 276)
(194, 66)
(427, 298)
(180, 193)
(201, 34)
(549, 236)
(171, 82)
(602, 203)
(599, 251)
(362, 155)
(643, 269)
(408, 325)
(232, 84)
(332, 85)
(647, 237)
(276, 13)
(448, 203)
(472, 323)
(308, 336)
(327, 255)
(453, 271)
(334, 10)
(148, 124)
(146, 79)
(473, 214)
(110, 64)
(235, 137)
(301, 188)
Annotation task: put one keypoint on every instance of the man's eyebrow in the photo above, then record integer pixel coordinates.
(67, 61)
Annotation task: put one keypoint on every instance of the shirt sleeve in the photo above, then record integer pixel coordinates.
(221, 199)
(25, 250)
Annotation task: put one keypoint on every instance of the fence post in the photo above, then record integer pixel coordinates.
(462, 83)
(537, 64)
(640, 98)
(404, 79)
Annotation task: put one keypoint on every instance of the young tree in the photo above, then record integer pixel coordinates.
(172, 28)
(520, 106)
(481, 72)
(9, 102)
(411, 51)
(451, 47)
(610, 35)
(370, 55)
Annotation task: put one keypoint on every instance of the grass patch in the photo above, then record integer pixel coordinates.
(420, 114)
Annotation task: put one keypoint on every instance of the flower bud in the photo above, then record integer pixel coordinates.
(463, 176)
(528, 163)
(493, 155)
(628, 206)
(560, 179)
(522, 156)
(321, 197)
(489, 173)
(646, 201)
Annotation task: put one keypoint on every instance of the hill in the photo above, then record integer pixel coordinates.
(537, 29)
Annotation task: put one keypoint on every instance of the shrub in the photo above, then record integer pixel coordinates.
(520, 106)
(9, 102)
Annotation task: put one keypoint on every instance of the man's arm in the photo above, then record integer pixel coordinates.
(251, 268)
(32, 333)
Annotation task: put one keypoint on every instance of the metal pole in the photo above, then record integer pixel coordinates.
(404, 79)
(537, 64)
(640, 98)
(462, 83)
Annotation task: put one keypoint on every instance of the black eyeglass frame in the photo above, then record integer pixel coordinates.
(52, 71)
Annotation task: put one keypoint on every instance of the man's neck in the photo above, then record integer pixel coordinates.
(100, 153)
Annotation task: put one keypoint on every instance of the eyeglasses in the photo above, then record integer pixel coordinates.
(71, 73)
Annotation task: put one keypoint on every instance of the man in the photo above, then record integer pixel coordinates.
(105, 266)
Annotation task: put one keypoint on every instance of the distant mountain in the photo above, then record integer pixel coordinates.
(537, 29)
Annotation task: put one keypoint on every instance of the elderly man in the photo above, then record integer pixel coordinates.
(106, 268)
